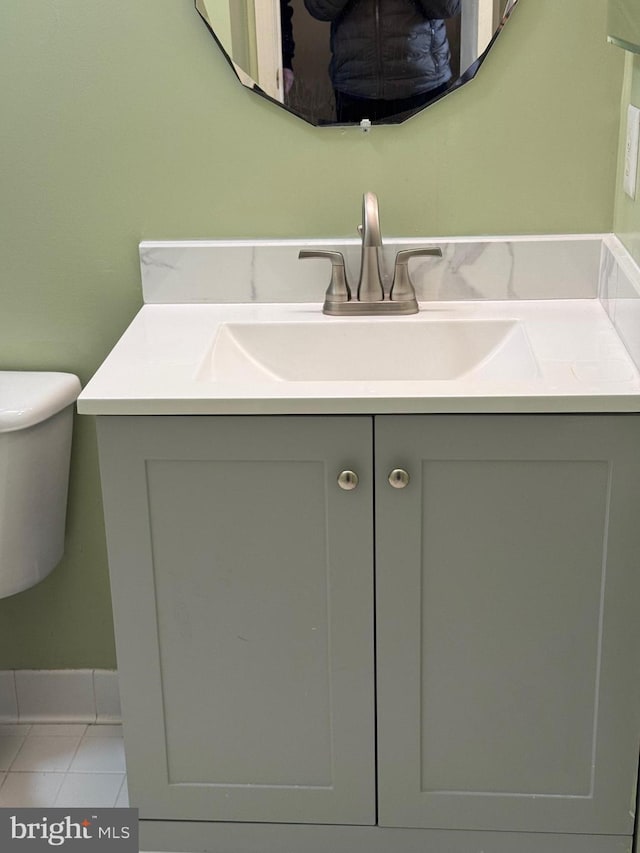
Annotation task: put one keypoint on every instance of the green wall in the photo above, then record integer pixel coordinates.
(627, 212)
(120, 121)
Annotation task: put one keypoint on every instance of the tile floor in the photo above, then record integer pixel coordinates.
(62, 765)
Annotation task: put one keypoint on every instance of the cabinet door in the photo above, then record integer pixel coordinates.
(243, 598)
(507, 586)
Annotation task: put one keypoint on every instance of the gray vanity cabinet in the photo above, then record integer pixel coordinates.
(243, 601)
(505, 697)
(507, 622)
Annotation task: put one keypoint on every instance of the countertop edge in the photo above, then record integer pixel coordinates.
(513, 405)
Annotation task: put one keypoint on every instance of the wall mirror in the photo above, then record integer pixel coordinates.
(623, 24)
(344, 61)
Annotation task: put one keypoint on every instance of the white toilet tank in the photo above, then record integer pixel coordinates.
(36, 417)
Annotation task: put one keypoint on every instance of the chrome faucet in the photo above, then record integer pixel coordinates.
(370, 287)
(370, 294)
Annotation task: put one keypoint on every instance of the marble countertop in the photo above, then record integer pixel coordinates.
(161, 365)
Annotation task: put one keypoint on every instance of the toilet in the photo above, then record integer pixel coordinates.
(36, 418)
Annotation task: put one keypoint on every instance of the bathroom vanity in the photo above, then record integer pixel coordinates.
(395, 611)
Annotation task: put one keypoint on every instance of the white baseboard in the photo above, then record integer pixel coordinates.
(59, 696)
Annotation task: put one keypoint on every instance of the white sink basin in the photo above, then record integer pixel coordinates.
(370, 351)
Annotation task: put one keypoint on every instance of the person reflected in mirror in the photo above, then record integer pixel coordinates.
(388, 57)
(288, 45)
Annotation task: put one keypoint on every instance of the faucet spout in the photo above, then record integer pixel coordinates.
(370, 286)
(371, 235)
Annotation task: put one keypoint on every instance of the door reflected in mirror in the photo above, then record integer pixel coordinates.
(342, 61)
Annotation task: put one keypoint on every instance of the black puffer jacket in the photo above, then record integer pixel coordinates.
(387, 49)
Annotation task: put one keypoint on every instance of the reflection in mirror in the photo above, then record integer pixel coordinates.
(342, 61)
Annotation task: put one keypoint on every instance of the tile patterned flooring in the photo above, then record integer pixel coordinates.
(65, 765)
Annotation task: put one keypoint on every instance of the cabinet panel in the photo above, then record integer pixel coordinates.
(251, 570)
(243, 606)
(510, 605)
(508, 696)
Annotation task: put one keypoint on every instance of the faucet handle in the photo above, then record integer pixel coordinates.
(402, 288)
(338, 290)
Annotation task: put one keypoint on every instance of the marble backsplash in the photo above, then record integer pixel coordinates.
(549, 267)
(619, 292)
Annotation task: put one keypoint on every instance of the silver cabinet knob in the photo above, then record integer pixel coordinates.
(398, 478)
(348, 480)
